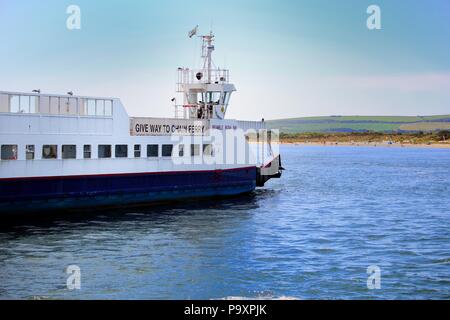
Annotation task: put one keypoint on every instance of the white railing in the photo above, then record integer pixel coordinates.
(201, 76)
(35, 103)
(201, 111)
(181, 112)
(251, 125)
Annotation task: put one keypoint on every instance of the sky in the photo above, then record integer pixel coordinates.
(287, 58)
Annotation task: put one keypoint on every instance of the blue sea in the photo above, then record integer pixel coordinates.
(312, 234)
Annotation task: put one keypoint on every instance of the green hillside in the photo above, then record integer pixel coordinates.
(362, 124)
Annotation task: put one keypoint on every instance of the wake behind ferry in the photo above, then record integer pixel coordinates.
(66, 151)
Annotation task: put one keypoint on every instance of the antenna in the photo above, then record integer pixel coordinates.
(207, 49)
(193, 32)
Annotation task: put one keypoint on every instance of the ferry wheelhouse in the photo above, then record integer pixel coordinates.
(66, 151)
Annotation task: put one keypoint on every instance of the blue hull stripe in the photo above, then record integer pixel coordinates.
(80, 191)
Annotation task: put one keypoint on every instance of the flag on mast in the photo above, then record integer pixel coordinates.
(193, 32)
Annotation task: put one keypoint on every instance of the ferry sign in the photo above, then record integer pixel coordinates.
(167, 127)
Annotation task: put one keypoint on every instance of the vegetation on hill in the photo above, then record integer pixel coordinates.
(385, 124)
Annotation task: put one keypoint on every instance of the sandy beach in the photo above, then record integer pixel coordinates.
(371, 144)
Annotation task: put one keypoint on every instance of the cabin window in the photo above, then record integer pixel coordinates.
(69, 151)
(137, 150)
(167, 150)
(100, 108)
(208, 150)
(44, 104)
(87, 154)
(29, 151)
(54, 105)
(181, 150)
(121, 151)
(108, 108)
(50, 151)
(104, 151)
(27, 104)
(91, 107)
(152, 151)
(4, 102)
(82, 107)
(34, 104)
(195, 150)
(69, 106)
(9, 152)
(14, 103)
(22, 104)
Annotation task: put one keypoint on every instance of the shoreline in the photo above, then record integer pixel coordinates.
(436, 140)
(369, 144)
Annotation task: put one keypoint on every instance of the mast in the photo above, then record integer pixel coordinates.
(206, 91)
(207, 49)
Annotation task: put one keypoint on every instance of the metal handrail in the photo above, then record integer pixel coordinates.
(200, 76)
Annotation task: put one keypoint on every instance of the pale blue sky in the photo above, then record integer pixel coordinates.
(287, 58)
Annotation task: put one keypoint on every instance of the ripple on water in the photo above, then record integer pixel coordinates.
(311, 234)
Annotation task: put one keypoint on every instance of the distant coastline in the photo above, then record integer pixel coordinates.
(348, 124)
(423, 140)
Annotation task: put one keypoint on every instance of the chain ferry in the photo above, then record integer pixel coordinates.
(68, 151)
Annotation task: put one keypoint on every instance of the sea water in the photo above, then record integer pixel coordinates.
(341, 223)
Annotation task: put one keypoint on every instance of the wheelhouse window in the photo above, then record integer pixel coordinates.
(152, 151)
(121, 151)
(195, 150)
(213, 97)
(69, 151)
(9, 152)
(208, 150)
(167, 150)
(87, 153)
(137, 150)
(210, 97)
(181, 150)
(49, 151)
(226, 98)
(29, 151)
(104, 151)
